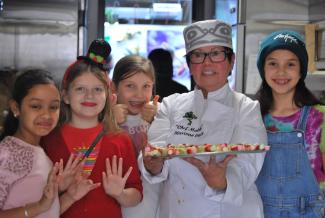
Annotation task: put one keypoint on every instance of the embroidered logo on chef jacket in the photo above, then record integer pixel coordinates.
(188, 126)
(195, 131)
(215, 124)
(190, 116)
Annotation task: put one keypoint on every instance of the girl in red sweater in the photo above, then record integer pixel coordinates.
(88, 128)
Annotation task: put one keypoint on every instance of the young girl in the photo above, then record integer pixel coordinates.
(293, 172)
(89, 128)
(29, 183)
(133, 82)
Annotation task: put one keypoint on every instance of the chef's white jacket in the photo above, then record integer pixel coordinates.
(223, 117)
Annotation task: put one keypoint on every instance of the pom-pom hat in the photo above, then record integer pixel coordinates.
(207, 33)
(283, 39)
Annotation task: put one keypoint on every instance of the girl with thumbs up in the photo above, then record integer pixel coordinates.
(133, 86)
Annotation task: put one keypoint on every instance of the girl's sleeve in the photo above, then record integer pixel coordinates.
(12, 170)
(322, 138)
(5, 182)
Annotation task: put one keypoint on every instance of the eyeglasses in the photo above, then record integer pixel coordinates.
(215, 56)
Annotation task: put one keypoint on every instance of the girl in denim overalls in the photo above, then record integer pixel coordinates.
(292, 178)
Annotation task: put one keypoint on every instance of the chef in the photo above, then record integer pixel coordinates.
(214, 186)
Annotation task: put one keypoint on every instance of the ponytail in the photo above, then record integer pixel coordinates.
(10, 125)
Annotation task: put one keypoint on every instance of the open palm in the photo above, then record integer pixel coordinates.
(71, 169)
(50, 191)
(113, 181)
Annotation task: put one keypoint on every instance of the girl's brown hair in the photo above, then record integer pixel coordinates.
(130, 65)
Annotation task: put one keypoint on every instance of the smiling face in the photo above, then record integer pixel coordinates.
(86, 96)
(210, 76)
(135, 91)
(282, 72)
(38, 113)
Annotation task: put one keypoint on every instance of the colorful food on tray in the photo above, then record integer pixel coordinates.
(206, 149)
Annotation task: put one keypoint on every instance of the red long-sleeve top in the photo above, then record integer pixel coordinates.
(61, 142)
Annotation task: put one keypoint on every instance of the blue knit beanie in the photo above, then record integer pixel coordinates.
(283, 39)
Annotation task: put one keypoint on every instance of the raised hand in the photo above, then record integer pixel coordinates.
(70, 171)
(50, 191)
(213, 172)
(80, 188)
(150, 109)
(120, 111)
(76, 190)
(113, 180)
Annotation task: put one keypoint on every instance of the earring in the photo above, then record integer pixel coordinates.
(15, 115)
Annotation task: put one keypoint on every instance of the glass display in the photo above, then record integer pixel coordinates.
(138, 27)
(126, 39)
(227, 11)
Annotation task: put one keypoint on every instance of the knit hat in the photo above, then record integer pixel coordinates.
(283, 39)
(98, 53)
(207, 33)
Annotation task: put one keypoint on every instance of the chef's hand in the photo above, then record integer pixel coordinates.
(213, 172)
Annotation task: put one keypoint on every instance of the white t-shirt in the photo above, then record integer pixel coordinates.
(137, 129)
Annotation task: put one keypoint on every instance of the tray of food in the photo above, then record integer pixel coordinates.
(189, 150)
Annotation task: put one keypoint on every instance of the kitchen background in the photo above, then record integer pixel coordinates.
(51, 33)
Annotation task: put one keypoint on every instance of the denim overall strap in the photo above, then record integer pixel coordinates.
(303, 118)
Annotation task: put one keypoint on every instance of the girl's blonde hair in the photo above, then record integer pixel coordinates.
(77, 69)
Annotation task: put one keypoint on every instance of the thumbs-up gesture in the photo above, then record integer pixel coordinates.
(150, 109)
(120, 111)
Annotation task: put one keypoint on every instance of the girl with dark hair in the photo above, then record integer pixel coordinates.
(21, 88)
(89, 128)
(29, 181)
(292, 180)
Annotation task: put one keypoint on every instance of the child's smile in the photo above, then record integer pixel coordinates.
(135, 92)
